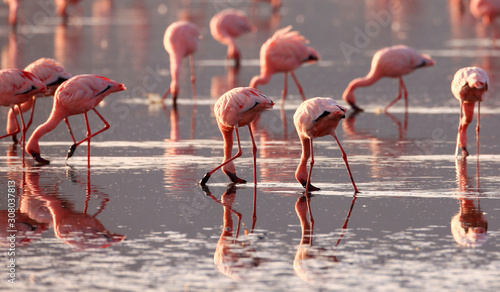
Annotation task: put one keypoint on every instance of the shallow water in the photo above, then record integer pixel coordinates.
(395, 235)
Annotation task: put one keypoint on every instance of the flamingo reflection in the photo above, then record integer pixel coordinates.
(233, 257)
(78, 229)
(469, 226)
(314, 264)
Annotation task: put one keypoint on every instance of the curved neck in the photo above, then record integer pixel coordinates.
(32, 146)
(301, 172)
(262, 79)
(362, 82)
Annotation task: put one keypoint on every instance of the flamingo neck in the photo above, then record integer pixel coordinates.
(362, 82)
(301, 172)
(32, 146)
(262, 79)
(227, 134)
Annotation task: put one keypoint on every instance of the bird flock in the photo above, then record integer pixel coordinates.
(284, 52)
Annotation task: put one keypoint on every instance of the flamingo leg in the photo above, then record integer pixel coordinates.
(311, 164)
(462, 130)
(193, 76)
(18, 129)
(23, 129)
(69, 129)
(285, 87)
(402, 89)
(205, 179)
(254, 152)
(477, 127)
(298, 85)
(166, 94)
(72, 149)
(344, 156)
(89, 134)
(32, 111)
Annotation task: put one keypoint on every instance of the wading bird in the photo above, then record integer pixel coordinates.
(180, 41)
(52, 74)
(76, 96)
(227, 25)
(391, 62)
(468, 86)
(317, 117)
(13, 9)
(237, 108)
(16, 87)
(284, 52)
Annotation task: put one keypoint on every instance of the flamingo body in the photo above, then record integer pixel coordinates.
(284, 52)
(316, 117)
(468, 86)
(393, 62)
(77, 95)
(227, 25)
(17, 86)
(180, 40)
(487, 10)
(236, 108)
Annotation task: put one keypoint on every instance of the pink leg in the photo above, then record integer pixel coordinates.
(32, 111)
(205, 179)
(106, 126)
(89, 134)
(310, 165)
(401, 86)
(344, 156)
(285, 87)
(23, 129)
(166, 94)
(254, 152)
(18, 129)
(298, 85)
(193, 76)
(69, 129)
(477, 127)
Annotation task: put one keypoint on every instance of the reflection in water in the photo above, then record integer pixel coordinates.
(314, 264)
(233, 257)
(469, 226)
(78, 229)
(11, 52)
(68, 45)
(220, 84)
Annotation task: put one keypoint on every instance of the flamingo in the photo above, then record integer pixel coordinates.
(468, 86)
(317, 117)
(16, 87)
(13, 8)
(78, 95)
(180, 41)
(236, 108)
(487, 10)
(52, 74)
(394, 62)
(61, 7)
(227, 25)
(284, 52)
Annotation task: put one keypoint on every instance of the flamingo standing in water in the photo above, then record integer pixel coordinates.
(16, 87)
(487, 10)
(52, 74)
(13, 8)
(468, 86)
(181, 40)
(76, 96)
(392, 62)
(284, 52)
(62, 6)
(236, 108)
(227, 25)
(317, 117)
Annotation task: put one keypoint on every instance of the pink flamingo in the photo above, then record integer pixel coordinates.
(284, 52)
(180, 40)
(13, 8)
(392, 62)
(227, 25)
(16, 87)
(52, 74)
(317, 117)
(76, 96)
(236, 108)
(468, 86)
(487, 10)
(62, 6)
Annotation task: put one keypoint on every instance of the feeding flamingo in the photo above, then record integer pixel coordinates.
(237, 108)
(487, 10)
(16, 87)
(284, 52)
(62, 6)
(13, 8)
(393, 62)
(468, 86)
(52, 74)
(317, 117)
(227, 25)
(180, 40)
(78, 95)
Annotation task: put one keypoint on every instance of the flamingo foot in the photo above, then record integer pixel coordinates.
(71, 151)
(204, 180)
(235, 179)
(311, 187)
(39, 159)
(355, 107)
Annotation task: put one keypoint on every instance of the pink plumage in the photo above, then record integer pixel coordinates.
(391, 62)
(237, 108)
(487, 10)
(227, 25)
(317, 117)
(78, 95)
(468, 86)
(13, 10)
(180, 40)
(284, 52)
